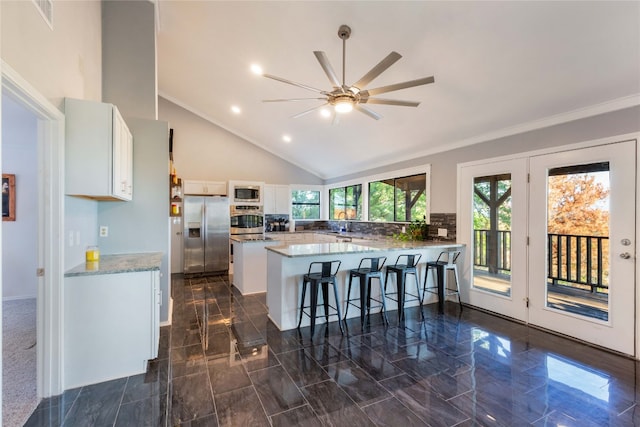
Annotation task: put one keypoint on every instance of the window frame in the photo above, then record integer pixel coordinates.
(357, 207)
(310, 188)
(365, 180)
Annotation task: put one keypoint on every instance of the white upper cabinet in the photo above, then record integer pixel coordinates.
(98, 151)
(213, 188)
(277, 199)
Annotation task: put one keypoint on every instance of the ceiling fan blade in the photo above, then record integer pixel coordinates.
(377, 70)
(328, 69)
(280, 79)
(397, 86)
(293, 99)
(367, 111)
(310, 110)
(389, 102)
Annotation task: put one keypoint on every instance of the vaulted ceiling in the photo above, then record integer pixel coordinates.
(499, 68)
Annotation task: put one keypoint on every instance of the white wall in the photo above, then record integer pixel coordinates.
(444, 165)
(65, 61)
(20, 237)
(202, 150)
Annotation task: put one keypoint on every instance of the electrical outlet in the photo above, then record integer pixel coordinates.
(442, 232)
(78, 238)
(104, 231)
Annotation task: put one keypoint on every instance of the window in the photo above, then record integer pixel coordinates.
(398, 199)
(305, 204)
(345, 202)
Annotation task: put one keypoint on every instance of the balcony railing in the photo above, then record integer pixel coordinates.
(492, 250)
(572, 260)
(582, 260)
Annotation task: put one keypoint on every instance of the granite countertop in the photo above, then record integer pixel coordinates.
(262, 240)
(306, 249)
(120, 263)
(310, 249)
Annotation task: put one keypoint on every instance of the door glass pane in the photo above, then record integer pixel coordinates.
(492, 234)
(578, 239)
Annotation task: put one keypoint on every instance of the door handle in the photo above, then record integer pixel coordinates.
(625, 255)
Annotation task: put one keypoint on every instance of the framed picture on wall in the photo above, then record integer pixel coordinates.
(8, 197)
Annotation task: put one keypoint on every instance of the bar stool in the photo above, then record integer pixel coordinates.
(405, 264)
(372, 269)
(446, 261)
(320, 273)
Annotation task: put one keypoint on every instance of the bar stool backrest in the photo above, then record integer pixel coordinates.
(325, 268)
(450, 257)
(375, 264)
(411, 260)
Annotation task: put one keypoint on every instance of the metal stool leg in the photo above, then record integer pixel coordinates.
(383, 297)
(335, 293)
(455, 274)
(346, 310)
(304, 291)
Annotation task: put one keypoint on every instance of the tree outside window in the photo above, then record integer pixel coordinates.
(345, 203)
(398, 199)
(305, 204)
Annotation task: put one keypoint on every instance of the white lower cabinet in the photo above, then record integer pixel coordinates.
(111, 326)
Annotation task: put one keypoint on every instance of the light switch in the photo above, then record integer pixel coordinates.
(442, 232)
(70, 238)
(104, 231)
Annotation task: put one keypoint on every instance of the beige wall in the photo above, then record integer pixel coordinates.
(63, 62)
(204, 151)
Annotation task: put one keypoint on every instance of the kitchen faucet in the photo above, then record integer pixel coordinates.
(343, 215)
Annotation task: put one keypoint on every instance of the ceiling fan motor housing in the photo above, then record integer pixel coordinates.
(344, 32)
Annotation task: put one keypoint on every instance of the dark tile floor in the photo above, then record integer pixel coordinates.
(222, 362)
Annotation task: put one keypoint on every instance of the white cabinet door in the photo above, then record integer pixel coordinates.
(98, 151)
(213, 188)
(122, 158)
(269, 199)
(282, 199)
(276, 199)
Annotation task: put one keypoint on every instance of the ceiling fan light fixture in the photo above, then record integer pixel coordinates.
(343, 106)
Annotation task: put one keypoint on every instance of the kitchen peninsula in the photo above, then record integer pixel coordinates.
(286, 265)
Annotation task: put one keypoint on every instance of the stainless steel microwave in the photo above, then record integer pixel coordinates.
(247, 194)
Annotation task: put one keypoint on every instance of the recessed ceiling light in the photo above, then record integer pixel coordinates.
(236, 109)
(325, 113)
(286, 138)
(256, 69)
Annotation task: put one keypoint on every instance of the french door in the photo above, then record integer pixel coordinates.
(551, 241)
(582, 244)
(493, 224)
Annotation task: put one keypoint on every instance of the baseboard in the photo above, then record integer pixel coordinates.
(170, 315)
(18, 298)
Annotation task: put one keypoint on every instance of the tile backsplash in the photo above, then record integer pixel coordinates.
(443, 221)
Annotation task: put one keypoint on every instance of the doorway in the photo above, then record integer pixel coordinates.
(50, 226)
(19, 260)
(551, 240)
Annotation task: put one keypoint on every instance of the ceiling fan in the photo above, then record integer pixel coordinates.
(345, 98)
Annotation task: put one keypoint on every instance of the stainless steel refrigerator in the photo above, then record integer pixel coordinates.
(206, 234)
